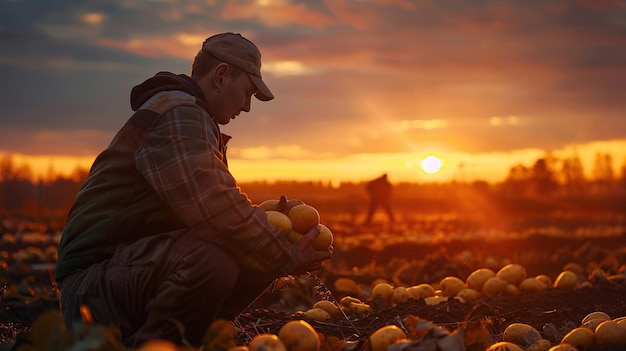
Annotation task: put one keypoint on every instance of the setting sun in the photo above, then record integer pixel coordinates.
(431, 164)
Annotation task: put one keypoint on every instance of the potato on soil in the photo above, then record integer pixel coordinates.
(545, 279)
(299, 335)
(400, 295)
(511, 289)
(478, 277)
(158, 345)
(512, 273)
(566, 280)
(540, 345)
(469, 295)
(580, 337)
(451, 285)
(266, 342)
(610, 333)
(317, 314)
(421, 291)
(504, 346)
(595, 315)
(592, 323)
(575, 267)
(237, 348)
(494, 286)
(359, 308)
(382, 290)
(303, 217)
(435, 300)
(563, 347)
(532, 285)
(385, 336)
(328, 306)
(521, 334)
(346, 301)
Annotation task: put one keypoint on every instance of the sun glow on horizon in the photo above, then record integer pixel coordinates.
(431, 164)
(459, 166)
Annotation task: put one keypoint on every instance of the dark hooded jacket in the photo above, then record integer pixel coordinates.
(117, 203)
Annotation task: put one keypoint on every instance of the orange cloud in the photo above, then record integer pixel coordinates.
(277, 13)
(353, 14)
(175, 45)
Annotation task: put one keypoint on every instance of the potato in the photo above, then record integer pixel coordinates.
(576, 268)
(324, 239)
(235, 348)
(346, 301)
(610, 333)
(494, 286)
(400, 295)
(595, 315)
(158, 345)
(451, 285)
(539, 345)
(317, 314)
(512, 273)
(294, 236)
(299, 335)
(382, 290)
(279, 220)
(290, 204)
(532, 285)
(469, 295)
(566, 280)
(580, 337)
(266, 342)
(303, 218)
(521, 334)
(478, 277)
(359, 308)
(435, 300)
(332, 309)
(563, 347)
(511, 289)
(385, 336)
(545, 279)
(421, 291)
(504, 346)
(592, 324)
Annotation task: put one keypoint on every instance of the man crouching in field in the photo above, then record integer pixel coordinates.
(160, 231)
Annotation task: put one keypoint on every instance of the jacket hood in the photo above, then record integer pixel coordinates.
(164, 81)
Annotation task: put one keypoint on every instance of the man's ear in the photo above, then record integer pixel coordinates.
(220, 74)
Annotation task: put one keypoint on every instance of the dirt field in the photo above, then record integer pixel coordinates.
(414, 250)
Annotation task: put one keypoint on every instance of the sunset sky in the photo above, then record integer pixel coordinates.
(362, 86)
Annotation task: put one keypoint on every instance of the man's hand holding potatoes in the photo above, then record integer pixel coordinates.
(311, 258)
(300, 222)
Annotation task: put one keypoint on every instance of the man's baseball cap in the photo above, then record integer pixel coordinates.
(240, 52)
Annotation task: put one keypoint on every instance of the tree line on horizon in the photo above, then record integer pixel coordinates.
(548, 176)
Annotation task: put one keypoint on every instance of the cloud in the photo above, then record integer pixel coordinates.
(360, 75)
(276, 13)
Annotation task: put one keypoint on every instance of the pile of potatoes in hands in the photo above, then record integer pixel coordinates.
(295, 218)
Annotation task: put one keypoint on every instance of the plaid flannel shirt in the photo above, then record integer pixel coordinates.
(183, 159)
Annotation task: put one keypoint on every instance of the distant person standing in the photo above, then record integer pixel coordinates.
(379, 191)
